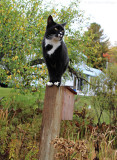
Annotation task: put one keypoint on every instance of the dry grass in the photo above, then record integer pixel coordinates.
(98, 146)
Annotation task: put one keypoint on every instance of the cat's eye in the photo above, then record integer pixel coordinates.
(56, 29)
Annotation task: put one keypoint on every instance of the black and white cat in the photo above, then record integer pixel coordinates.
(55, 51)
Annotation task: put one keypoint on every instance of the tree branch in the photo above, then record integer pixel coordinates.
(36, 61)
(71, 70)
(78, 75)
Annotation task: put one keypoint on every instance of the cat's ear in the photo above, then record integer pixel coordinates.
(64, 24)
(50, 20)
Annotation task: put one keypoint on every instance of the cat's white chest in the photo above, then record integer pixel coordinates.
(54, 43)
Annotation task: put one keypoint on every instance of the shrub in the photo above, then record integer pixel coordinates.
(106, 95)
(20, 122)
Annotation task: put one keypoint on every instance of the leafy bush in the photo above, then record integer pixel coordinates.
(20, 123)
(106, 95)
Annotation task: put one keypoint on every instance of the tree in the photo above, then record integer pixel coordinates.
(113, 55)
(20, 39)
(98, 39)
(22, 29)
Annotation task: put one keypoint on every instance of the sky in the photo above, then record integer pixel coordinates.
(103, 12)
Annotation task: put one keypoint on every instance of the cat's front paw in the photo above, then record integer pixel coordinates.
(57, 84)
(50, 84)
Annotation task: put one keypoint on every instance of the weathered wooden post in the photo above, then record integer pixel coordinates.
(58, 105)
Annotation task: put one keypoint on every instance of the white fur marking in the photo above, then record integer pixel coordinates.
(54, 42)
(56, 83)
(49, 84)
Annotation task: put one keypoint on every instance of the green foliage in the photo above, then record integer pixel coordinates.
(106, 94)
(22, 29)
(95, 141)
(113, 55)
(101, 45)
(23, 26)
(5, 92)
(20, 125)
(20, 122)
(82, 101)
(18, 140)
(92, 105)
(78, 128)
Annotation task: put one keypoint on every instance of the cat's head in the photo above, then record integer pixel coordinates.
(54, 30)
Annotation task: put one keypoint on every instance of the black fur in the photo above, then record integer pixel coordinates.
(56, 62)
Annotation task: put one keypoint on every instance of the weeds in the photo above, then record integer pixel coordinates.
(98, 146)
(19, 131)
(81, 138)
(99, 140)
(69, 149)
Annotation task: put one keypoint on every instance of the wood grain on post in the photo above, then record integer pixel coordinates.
(51, 121)
(56, 108)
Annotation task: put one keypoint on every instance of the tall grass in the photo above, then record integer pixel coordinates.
(90, 104)
(20, 122)
(80, 139)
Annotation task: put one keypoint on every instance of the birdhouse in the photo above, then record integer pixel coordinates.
(68, 103)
